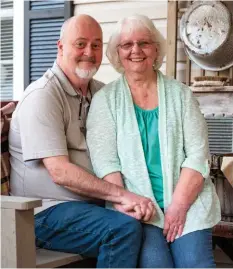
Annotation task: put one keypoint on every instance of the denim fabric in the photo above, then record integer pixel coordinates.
(193, 250)
(92, 231)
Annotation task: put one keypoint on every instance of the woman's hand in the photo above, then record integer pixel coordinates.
(175, 218)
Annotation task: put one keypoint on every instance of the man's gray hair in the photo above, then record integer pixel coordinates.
(135, 22)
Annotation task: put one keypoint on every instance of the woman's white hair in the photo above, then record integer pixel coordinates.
(130, 23)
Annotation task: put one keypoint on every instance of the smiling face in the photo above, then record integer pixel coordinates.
(137, 51)
(80, 49)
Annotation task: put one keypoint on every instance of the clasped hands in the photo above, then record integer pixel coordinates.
(143, 209)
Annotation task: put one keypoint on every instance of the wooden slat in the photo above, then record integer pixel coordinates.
(113, 11)
(231, 75)
(188, 61)
(188, 71)
(221, 259)
(108, 27)
(78, 2)
(217, 103)
(171, 38)
(219, 89)
(51, 259)
(202, 72)
(18, 239)
(19, 203)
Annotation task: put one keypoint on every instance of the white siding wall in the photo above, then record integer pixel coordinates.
(107, 13)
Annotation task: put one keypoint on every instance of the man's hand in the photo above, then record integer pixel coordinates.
(175, 218)
(132, 213)
(137, 206)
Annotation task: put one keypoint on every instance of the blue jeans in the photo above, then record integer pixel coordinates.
(193, 250)
(92, 231)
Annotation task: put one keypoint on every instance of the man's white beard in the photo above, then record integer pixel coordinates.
(85, 73)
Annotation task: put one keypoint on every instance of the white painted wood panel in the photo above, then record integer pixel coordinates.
(76, 2)
(113, 11)
(107, 27)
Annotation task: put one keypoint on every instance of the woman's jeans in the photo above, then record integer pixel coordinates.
(193, 250)
(92, 231)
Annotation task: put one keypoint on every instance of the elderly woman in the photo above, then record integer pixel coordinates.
(145, 132)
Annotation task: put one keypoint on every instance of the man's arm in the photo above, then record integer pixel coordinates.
(80, 181)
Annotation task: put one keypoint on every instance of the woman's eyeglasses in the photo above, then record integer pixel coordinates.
(142, 44)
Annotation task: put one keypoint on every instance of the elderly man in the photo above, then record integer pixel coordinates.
(49, 158)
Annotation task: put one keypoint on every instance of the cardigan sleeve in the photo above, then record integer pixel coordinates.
(195, 135)
(102, 136)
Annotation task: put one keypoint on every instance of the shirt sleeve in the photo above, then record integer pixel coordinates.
(41, 124)
(102, 137)
(195, 135)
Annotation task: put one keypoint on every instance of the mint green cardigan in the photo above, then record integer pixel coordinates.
(114, 143)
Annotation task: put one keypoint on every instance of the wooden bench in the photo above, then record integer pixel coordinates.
(18, 237)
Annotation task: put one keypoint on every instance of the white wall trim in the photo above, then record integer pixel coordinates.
(18, 49)
(6, 13)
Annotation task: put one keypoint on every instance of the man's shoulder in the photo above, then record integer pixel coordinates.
(46, 86)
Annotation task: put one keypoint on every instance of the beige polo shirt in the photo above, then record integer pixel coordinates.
(47, 122)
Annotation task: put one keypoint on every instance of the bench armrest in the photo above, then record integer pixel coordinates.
(19, 203)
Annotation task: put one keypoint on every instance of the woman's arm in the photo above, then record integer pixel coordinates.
(187, 189)
(139, 212)
(193, 169)
(115, 178)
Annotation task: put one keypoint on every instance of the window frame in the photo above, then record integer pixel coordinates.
(8, 14)
(29, 14)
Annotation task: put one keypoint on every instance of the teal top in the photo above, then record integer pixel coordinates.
(148, 126)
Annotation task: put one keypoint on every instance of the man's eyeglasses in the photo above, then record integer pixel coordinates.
(142, 44)
(81, 44)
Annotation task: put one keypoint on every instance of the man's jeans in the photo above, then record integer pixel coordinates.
(92, 231)
(193, 250)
